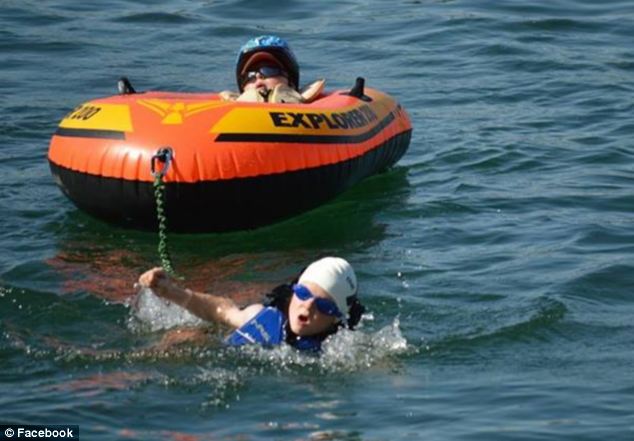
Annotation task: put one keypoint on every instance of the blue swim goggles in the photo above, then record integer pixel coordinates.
(325, 306)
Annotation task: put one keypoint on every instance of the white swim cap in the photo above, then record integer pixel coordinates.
(336, 276)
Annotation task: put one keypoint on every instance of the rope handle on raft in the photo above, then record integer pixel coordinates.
(164, 155)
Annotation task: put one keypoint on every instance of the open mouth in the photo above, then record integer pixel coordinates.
(303, 318)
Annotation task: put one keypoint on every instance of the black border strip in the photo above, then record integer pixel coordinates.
(307, 139)
(89, 133)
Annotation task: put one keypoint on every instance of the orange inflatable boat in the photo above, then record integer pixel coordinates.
(233, 165)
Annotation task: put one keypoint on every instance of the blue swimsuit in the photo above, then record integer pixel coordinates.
(268, 328)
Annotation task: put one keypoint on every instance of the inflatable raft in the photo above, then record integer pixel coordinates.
(233, 165)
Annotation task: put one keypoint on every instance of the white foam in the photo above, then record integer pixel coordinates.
(151, 312)
(353, 350)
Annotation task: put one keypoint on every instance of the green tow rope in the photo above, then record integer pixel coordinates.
(165, 156)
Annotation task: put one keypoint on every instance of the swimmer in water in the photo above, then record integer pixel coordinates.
(303, 314)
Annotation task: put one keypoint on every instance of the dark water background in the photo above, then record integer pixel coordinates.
(496, 258)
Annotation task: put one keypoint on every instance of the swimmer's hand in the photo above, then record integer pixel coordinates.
(158, 281)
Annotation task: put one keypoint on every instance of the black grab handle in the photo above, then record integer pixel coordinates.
(124, 86)
(358, 90)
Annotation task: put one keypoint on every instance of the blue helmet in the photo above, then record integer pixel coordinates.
(277, 47)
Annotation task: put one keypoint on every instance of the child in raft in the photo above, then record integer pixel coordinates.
(302, 314)
(267, 71)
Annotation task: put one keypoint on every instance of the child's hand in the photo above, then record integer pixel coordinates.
(156, 279)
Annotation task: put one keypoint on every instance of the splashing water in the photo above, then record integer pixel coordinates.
(356, 349)
(153, 313)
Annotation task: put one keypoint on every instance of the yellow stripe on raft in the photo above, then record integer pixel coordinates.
(98, 116)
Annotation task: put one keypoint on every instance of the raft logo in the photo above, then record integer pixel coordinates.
(83, 112)
(176, 113)
(353, 119)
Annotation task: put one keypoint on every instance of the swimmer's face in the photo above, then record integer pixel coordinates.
(303, 315)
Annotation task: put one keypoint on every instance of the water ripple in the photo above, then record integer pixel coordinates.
(166, 18)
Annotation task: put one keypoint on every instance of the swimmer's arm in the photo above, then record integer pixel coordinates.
(213, 308)
(206, 306)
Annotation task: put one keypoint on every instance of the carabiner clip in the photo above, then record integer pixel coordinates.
(165, 155)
